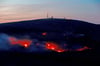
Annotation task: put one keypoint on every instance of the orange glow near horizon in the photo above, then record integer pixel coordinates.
(9, 21)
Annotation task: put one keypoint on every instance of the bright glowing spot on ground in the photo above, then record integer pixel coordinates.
(25, 42)
(22, 42)
(25, 45)
(54, 47)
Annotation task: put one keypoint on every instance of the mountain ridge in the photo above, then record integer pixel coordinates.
(52, 25)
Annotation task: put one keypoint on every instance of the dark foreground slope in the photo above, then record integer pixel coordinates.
(74, 30)
(85, 58)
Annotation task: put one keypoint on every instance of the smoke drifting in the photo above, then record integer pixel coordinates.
(4, 42)
(11, 43)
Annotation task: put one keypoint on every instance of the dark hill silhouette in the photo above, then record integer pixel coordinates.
(52, 25)
(59, 30)
(60, 25)
(71, 28)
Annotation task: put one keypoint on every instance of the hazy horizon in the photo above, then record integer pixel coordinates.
(18, 10)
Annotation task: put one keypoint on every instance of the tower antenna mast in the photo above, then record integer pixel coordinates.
(47, 15)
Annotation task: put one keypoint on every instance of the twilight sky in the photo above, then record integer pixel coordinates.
(16, 10)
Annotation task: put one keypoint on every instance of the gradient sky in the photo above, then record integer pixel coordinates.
(16, 10)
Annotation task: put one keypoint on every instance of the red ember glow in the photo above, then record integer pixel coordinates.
(25, 45)
(54, 47)
(13, 40)
(60, 51)
(22, 42)
(82, 49)
(25, 42)
(44, 34)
